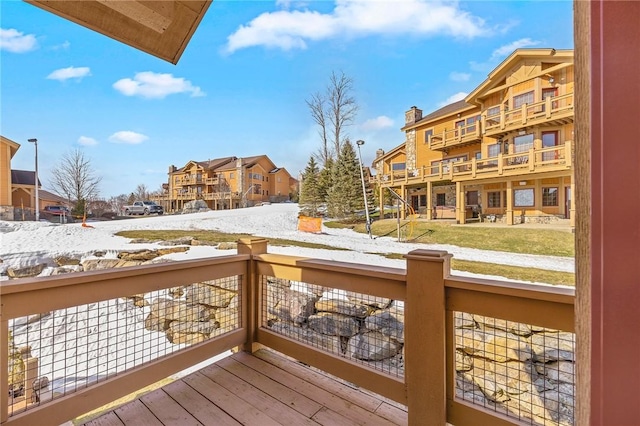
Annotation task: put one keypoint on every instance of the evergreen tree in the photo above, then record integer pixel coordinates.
(326, 178)
(310, 197)
(344, 197)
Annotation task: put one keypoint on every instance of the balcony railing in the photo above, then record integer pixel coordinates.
(457, 350)
(461, 135)
(524, 163)
(551, 109)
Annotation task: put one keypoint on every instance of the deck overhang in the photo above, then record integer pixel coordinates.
(160, 28)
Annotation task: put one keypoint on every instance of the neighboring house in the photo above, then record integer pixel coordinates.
(504, 153)
(23, 189)
(226, 183)
(8, 149)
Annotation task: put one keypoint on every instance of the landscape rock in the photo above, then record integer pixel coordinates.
(209, 295)
(293, 306)
(344, 307)
(553, 346)
(154, 323)
(227, 246)
(195, 206)
(26, 271)
(389, 322)
(318, 340)
(66, 260)
(334, 324)
(373, 346)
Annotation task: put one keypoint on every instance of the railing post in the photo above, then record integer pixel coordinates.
(251, 289)
(532, 160)
(425, 336)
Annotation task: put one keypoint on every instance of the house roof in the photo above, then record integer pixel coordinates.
(13, 146)
(50, 196)
(24, 177)
(440, 113)
(160, 28)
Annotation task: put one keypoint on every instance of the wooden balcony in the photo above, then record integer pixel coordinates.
(553, 111)
(529, 163)
(430, 349)
(459, 136)
(262, 389)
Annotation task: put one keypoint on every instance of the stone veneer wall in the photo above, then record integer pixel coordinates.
(6, 213)
(410, 149)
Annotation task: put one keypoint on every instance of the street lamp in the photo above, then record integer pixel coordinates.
(364, 189)
(35, 142)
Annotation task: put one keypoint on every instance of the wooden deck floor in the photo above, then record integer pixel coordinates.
(260, 389)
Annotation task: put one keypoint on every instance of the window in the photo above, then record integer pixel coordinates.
(549, 139)
(523, 197)
(441, 199)
(398, 166)
(550, 197)
(525, 98)
(494, 199)
(493, 150)
(471, 127)
(551, 92)
(257, 188)
(427, 135)
(478, 155)
(523, 143)
(495, 110)
(472, 198)
(423, 200)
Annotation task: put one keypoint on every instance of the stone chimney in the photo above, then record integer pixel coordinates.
(172, 168)
(379, 153)
(413, 115)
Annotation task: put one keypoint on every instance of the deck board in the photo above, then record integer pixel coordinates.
(259, 389)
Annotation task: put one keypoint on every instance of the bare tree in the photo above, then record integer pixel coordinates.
(75, 179)
(342, 107)
(142, 192)
(317, 105)
(332, 112)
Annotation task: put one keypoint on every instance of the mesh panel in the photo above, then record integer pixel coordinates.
(364, 328)
(57, 353)
(520, 370)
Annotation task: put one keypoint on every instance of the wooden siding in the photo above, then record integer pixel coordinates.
(264, 388)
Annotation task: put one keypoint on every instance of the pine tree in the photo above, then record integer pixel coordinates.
(310, 197)
(344, 197)
(325, 180)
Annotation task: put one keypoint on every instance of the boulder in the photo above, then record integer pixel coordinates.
(365, 299)
(558, 371)
(516, 328)
(389, 322)
(309, 336)
(26, 271)
(227, 246)
(497, 346)
(192, 327)
(372, 346)
(66, 260)
(344, 307)
(154, 323)
(292, 306)
(179, 311)
(195, 206)
(334, 324)
(554, 346)
(181, 241)
(209, 295)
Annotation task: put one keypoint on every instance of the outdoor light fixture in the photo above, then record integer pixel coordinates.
(364, 189)
(35, 142)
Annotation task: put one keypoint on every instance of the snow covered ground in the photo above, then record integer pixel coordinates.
(26, 243)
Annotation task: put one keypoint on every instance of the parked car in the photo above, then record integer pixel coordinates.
(57, 210)
(143, 207)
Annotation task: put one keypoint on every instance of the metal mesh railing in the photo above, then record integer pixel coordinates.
(57, 353)
(519, 370)
(363, 328)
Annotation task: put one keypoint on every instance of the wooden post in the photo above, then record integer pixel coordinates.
(429, 200)
(509, 202)
(251, 289)
(425, 338)
(4, 368)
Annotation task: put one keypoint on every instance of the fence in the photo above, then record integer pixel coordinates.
(464, 351)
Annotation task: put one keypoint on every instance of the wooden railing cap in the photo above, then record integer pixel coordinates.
(428, 255)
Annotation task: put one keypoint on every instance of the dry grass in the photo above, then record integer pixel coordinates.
(509, 239)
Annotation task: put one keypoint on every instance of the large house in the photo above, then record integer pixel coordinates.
(227, 183)
(504, 153)
(8, 149)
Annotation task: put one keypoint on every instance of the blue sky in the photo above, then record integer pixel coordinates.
(241, 84)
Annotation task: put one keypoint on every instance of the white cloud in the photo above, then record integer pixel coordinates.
(459, 76)
(156, 86)
(288, 30)
(72, 72)
(87, 141)
(507, 49)
(381, 122)
(63, 46)
(128, 137)
(14, 41)
(453, 98)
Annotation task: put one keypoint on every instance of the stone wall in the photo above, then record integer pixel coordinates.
(515, 369)
(410, 147)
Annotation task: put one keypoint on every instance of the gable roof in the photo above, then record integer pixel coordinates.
(500, 72)
(446, 110)
(24, 177)
(160, 28)
(13, 146)
(50, 196)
